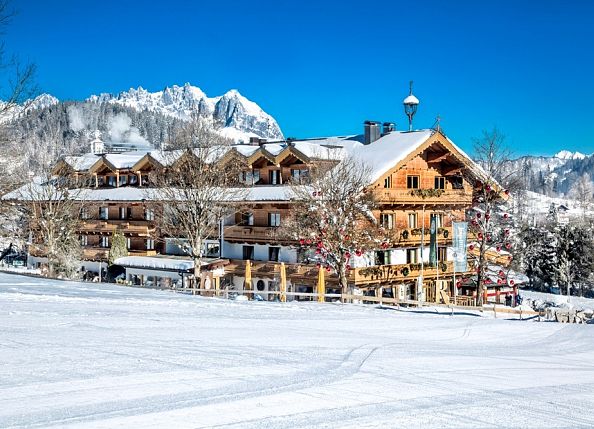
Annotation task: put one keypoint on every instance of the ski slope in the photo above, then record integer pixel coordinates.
(79, 355)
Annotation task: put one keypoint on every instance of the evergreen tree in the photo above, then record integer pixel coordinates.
(119, 247)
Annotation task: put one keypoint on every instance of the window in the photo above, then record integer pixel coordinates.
(273, 253)
(149, 214)
(111, 181)
(123, 180)
(123, 212)
(84, 240)
(248, 252)
(274, 177)
(247, 219)
(388, 182)
(255, 177)
(128, 243)
(412, 220)
(104, 241)
(250, 177)
(133, 179)
(273, 219)
(150, 244)
(442, 254)
(383, 257)
(457, 182)
(212, 250)
(103, 213)
(412, 256)
(387, 220)
(260, 285)
(438, 219)
(100, 180)
(84, 213)
(299, 176)
(412, 182)
(440, 183)
(145, 180)
(129, 212)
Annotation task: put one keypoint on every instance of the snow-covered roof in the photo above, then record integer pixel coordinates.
(81, 163)
(124, 160)
(164, 263)
(384, 153)
(138, 194)
(153, 263)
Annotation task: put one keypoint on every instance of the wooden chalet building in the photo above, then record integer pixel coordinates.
(416, 175)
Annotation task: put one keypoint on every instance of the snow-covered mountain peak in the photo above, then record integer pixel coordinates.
(232, 113)
(567, 155)
(42, 101)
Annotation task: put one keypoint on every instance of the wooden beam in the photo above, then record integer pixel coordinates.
(437, 157)
(453, 171)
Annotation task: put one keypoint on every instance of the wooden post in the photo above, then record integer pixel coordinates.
(485, 296)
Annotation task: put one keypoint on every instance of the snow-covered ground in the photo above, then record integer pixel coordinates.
(104, 356)
(575, 302)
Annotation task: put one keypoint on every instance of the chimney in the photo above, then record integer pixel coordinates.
(254, 141)
(262, 142)
(372, 131)
(388, 128)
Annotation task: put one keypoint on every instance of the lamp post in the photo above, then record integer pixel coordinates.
(410, 106)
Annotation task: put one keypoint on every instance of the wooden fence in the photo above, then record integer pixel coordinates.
(363, 299)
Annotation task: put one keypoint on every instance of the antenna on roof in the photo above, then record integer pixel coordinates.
(410, 106)
(437, 124)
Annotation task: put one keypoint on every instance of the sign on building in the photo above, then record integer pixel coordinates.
(459, 245)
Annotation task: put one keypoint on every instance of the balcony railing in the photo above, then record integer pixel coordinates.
(101, 253)
(251, 233)
(425, 196)
(415, 235)
(401, 272)
(135, 227)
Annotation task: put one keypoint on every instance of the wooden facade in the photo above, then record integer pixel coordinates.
(433, 179)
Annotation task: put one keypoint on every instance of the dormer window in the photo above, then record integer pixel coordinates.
(440, 183)
(274, 177)
(457, 182)
(412, 182)
(111, 181)
(388, 182)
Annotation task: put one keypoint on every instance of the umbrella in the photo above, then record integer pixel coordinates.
(321, 285)
(283, 283)
(248, 276)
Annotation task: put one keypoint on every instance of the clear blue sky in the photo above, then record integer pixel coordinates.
(322, 68)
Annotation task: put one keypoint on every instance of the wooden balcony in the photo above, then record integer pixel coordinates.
(414, 236)
(102, 253)
(139, 228)
(241, 233)
(419, 197)
(384, 274)
(361, 277)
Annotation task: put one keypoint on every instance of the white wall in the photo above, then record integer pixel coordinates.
(235, 251)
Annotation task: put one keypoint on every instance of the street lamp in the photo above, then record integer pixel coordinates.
(410, 106)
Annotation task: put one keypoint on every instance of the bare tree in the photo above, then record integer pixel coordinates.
(17, 86)
(196, 189)
(489, 221)
(333, 216)
(51, 206)
(583, 192)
